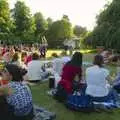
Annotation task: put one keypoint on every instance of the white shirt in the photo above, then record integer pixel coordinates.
(65, 59)
(35, 70)
(97, 85)
(58, 65)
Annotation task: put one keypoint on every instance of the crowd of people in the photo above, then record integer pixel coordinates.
(25, 64)
(109, 55)
(96, 85)
(17, 64)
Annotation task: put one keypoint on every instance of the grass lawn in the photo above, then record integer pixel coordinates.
(41, 98)
(49, 52)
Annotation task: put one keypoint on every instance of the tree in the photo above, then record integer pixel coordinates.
(40, 24)
(65, 17)
(24, 24)
(79, 31)
(106, 33)
(58, 32)
(5, 21)
(49, 22)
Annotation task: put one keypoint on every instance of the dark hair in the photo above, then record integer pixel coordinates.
(76, 59)
(35, 56)
(16, 72)
(54, 55)
(98, 60)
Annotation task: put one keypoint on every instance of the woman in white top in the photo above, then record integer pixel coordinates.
(97, 85)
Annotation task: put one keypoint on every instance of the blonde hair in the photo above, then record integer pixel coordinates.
(16, 57)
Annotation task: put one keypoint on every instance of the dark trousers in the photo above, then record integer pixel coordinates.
(117, 88)
(7, 111)
(61, 94)
(26, 117)
(112, 96)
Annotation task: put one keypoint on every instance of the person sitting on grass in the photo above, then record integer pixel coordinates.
(17, 95)
(36, 72)
(97, 78)
(16, 59)
(70, 70)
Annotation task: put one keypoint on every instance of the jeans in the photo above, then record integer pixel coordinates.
(111, 97)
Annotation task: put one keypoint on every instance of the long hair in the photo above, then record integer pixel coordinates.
(76, 59)
(98, 60)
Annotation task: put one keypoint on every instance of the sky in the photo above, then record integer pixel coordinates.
(80, 12)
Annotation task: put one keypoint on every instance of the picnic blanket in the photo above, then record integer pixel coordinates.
(43, 114)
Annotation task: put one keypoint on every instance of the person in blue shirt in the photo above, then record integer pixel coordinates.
(19, 96)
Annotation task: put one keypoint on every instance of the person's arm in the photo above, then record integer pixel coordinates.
(5, 90)
(108, 77)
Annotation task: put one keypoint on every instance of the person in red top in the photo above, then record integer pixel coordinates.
(28, 59)
(71, 69)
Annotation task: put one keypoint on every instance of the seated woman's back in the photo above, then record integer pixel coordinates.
(96, 81)
(70, 70)
(96, 78)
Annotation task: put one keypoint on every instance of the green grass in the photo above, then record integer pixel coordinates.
(49, 52)
(41, 98)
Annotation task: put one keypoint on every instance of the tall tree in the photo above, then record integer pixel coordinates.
(65, 17)
(23, 20)
(40, 24)
(5, 21)
(79, 30)
(107, 31)
(49, 22)
(58, 32)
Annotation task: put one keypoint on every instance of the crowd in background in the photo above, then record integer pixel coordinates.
(25, 63)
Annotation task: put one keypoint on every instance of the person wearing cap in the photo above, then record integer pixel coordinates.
(19, 96)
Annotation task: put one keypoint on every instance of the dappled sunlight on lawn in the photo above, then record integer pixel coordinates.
(50, 52)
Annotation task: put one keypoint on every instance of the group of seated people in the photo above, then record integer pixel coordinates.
(16, 68)
(29, 60)
(16, 97)
(109, 56)
(96, 84)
